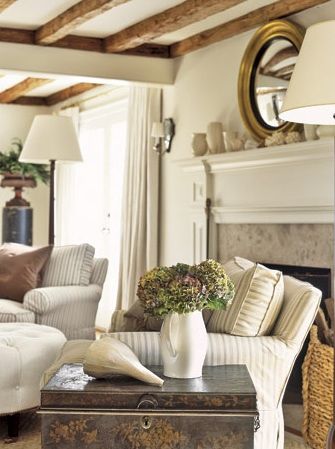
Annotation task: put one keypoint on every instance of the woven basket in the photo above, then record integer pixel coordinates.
(317, 391)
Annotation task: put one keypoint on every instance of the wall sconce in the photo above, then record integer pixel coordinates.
(163, 131)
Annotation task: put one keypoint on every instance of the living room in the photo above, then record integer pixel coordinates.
(287, 223)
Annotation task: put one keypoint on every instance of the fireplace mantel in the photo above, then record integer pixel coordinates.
(284, 184)
(290, 184)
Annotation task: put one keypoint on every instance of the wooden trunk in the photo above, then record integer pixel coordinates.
(215, 411)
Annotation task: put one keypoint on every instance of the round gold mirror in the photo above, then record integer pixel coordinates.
(265, 72)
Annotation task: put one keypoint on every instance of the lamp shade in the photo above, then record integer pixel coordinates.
(157, 129)
(310, 97)
(51, 137)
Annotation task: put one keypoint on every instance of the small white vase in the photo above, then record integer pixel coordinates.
(214, 137)
(199, 144)
(183, 345)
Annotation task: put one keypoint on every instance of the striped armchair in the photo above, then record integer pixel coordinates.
(270, 358)
(69, 296)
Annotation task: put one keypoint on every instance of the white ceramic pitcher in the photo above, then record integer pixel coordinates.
(183, 345)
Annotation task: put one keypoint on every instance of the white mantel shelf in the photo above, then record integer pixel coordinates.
(284, 184)
(267, 156)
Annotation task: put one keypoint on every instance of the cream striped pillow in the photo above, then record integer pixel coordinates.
(256, 305)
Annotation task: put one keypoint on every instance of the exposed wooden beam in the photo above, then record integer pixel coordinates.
(18, 36)
(277, 10)
(4, 4)
(20, 89)
(172, 19)
(69, 92)
(70, 19)
(30, 101)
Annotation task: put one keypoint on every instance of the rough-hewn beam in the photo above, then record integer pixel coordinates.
(73, 42)
(69, 92)
(277, 10)
(30, 101)
(20, 89)
(4, 4)
(172, 19)
(70, 19)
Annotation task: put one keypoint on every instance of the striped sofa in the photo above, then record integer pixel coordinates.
(68, 298)
(269, 359)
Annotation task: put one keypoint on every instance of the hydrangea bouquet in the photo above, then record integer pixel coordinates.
(185, 288)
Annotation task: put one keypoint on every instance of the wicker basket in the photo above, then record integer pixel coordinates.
(317, 391)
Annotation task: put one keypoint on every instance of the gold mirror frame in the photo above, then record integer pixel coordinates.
(262, 38)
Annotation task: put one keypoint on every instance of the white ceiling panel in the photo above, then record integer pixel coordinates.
(212, 21)
(30, 14)
(8, 81)
(52, 87)
(123, 16)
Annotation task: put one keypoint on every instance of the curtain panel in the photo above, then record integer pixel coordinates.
(139, 239)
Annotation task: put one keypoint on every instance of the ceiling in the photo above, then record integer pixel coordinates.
(154, 28)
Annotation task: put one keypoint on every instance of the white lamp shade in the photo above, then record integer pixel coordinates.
(310, 97)
(51, 137)
(157, 129)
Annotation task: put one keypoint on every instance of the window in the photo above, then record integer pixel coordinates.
(94, 193)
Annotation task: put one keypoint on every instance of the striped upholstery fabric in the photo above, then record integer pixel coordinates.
(14, 312)
(99, 271)
(255, 307)
(69, 265)
(72, 309)
(297, 312)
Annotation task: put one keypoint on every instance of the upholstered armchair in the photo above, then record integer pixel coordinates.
(68, 298)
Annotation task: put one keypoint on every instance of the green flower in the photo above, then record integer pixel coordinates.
(183, 288)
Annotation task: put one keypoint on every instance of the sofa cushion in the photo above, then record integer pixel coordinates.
(69, 265)
(256, 305)
(14, 312)
(21, 273)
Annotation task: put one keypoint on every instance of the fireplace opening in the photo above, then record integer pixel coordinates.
(321, 279)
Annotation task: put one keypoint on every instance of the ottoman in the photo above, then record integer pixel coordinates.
(26, 351)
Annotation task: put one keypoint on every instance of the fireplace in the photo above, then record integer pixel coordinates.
(321, 279)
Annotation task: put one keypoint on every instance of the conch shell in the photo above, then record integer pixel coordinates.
(109, 356)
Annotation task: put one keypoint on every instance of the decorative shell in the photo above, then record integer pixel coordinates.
(293, 137)
(277, 138)
(109, 356)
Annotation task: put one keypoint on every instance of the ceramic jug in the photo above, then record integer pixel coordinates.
(183, 345)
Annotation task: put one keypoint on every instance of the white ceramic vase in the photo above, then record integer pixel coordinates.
(183, 345)
(215, 138)
(199, 144)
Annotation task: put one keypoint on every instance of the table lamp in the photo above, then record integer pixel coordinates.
(51, 138)
(310, 97)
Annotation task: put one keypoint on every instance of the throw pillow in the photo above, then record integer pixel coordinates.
(69, 265)
(256, 305)
(21, 273)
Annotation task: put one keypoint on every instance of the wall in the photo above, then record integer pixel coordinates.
(15, 122)
(205, 90)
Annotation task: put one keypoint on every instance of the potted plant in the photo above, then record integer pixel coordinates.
(18, 174)
(178, 294)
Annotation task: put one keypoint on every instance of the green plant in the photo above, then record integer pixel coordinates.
(183, 288)
(9, 163)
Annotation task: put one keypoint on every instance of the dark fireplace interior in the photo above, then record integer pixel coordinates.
(320, 278)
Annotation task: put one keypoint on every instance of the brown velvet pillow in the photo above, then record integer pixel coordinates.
(21, 272)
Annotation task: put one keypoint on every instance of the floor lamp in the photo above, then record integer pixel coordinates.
(51, 138)
(310, 98)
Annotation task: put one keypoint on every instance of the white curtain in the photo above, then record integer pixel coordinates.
(66, 192)
(139, 243)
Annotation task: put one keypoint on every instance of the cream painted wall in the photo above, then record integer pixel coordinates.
(15, 122)
(205, 90)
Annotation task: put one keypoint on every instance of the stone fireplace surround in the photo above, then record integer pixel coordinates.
(268, 204)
